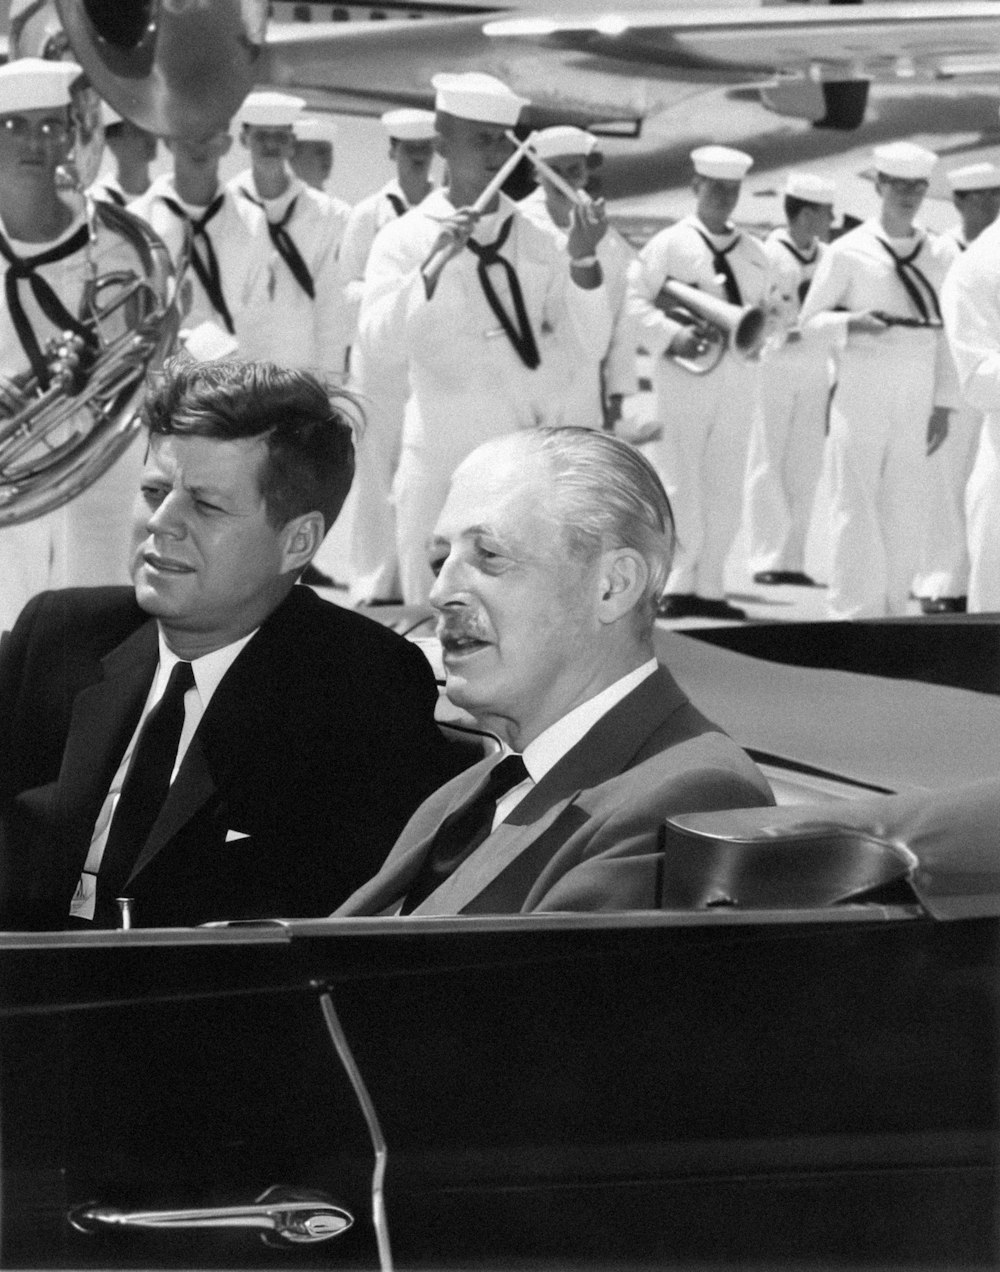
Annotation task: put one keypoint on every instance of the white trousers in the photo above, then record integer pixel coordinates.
(878, 454)
(944, 556)
(982, 508)
(786, 455)
(701, 460)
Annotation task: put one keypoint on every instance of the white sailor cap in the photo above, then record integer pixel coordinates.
(314, 128)
(409, 125)
(35, 83)
(109, 115)
(473, 95)
(810, 188)
(564, 139)
(974, 176)
(721, 163)
(270, 110)
(904, 159)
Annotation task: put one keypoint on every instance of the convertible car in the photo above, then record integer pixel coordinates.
(793, 1063)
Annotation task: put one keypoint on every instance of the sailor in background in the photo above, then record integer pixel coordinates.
(877, 288)
(48, 253)
(706, 419)
(226, 283)
(587, 389)
(786, 444)
(382, 387)
(471, 293)
(942, 583)
(303, 322)
(133, 150)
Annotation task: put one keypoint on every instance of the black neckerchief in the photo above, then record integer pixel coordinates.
(721, 266)
(285, 245)
(926, 304)
(519, 335)
(206, 268)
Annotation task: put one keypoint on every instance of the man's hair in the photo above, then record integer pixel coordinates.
(309, 429)
(606, 494)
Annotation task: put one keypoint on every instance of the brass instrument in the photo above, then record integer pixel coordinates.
(175, 69)
(719, 325)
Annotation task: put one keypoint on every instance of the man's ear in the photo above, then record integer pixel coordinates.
(301, 539)
(622, 581)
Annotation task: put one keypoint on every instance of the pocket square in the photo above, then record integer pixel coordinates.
(232, 835)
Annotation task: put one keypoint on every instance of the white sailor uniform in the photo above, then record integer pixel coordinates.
(226, 281)
(786, 444)
(304, 322)
(944, 554)
(706, 420)
(887, 386)
(970, 305)
(383, 390)
(579, 382)
(85, 542)
(472, 357)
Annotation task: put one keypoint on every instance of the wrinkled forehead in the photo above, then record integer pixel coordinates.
(503, 486)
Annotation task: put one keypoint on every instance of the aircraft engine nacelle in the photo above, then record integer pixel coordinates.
(825, 103)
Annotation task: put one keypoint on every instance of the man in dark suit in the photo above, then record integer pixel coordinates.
(217, 743)
(550, 556)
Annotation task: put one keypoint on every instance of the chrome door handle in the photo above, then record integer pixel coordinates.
(280, 1215)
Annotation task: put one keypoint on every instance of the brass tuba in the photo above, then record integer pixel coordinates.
(719, 325)
(176, 68)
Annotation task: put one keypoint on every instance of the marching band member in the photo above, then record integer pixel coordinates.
(134, 149)
(48, 253)
(786, 443)
(877, 287)
(225, 285)
(587, 391)
(382, 387)
(303, 323)
(701, 454)
(943, 582)
(472, 294)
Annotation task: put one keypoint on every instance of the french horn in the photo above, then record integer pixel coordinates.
(719, 325)
(175, 68)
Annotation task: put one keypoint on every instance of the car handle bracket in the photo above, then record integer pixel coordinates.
(282, 1216)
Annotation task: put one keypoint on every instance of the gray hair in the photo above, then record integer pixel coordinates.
(606, 494)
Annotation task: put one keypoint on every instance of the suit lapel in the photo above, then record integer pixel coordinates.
(606, 750)
(190, 790)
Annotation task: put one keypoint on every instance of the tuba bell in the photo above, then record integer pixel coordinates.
(720, 326)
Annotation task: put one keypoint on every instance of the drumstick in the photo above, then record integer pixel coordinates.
(561, 184)
(440, 259)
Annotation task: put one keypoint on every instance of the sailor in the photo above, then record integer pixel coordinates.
(473, 295)
(943, 581)
(877, 289)
(587, 391)
(374, 574)
(133, 150)
(970, 304)
(48, 253)
(706, 419)
(303, 323)
(786, 444)
(226, 282)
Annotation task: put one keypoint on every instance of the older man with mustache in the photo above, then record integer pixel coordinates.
(549, 557)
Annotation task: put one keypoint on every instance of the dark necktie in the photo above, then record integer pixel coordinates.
(396, 203)
(285, 245)
(918, 286)
(145, 787)
(720, 264)
(464, 831)
(518, 329)
(22, 270)
(803, 260)
(206, 268)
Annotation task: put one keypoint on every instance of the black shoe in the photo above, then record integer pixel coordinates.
(676, 605)
(944, 604)
(704, 607)
(794, 578)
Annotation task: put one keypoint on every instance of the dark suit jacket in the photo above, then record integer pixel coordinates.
(315, 748)
(585, 838)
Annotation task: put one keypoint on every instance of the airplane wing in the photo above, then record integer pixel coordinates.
(832, 50)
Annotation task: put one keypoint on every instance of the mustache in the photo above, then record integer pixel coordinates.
(454, 627)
